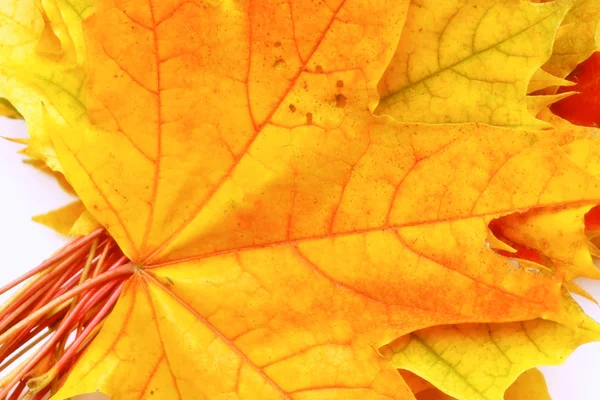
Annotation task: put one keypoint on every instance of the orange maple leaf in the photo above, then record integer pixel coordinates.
(258, 200)
(279, 233)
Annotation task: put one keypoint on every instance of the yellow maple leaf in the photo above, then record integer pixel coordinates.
(542, 80)
(41, 65)
(480, 361)
(72, 220)
(469, 61)
(558, 233)
(577, 38)
(8, 110)
(276, 228)
(530, 385)
(265, 229)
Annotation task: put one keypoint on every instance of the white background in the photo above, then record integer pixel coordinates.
(24, 192)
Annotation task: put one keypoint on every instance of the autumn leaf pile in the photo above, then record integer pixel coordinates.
(333, 199)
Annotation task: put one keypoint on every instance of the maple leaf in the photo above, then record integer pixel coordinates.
(8, 110)
(266, 247)
(469, 61)
(568, 254)
(530, 385)
(279, 231)
(577, 38)
(491, 356)
(72, 220)
(543, 80)
(582, 108)
(558, 234)
(41, 65)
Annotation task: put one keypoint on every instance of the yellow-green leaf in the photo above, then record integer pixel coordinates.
(42, 65)
(480, 361)
(469, 61)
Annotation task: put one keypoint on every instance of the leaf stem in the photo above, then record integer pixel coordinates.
(71, 293)
(65, 297)
(69, 248)
(64, 326)
(25, 349)
(100, 262)
(80, 341)
(56, 271)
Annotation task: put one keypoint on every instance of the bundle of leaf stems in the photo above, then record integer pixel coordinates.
(58, 309)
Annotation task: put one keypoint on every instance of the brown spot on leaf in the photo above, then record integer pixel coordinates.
(309, 118)
(340, 100)
(319, 69)
(277, 44)
(279, 64)
(340, 83)
(292, 108)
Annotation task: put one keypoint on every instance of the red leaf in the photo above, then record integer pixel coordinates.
(582, 108)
